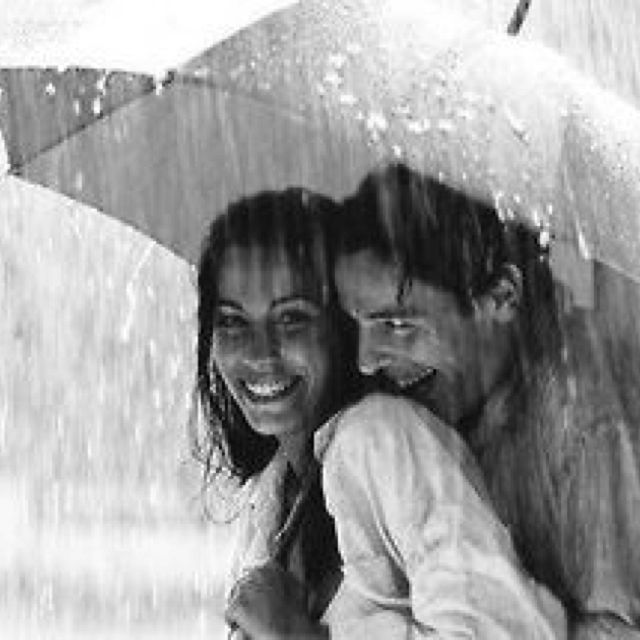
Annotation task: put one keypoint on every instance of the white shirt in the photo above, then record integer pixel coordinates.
(423, 554)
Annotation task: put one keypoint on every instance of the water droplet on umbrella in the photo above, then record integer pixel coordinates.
(545, 238)
(101, 84)
(418, 126)
(466, 113)
(376, 122)
(333, 78)
(446, 125)
(347, 99)
(337, 60)
(353, 48)
(96, 106)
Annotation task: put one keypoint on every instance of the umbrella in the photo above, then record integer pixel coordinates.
(319, 93)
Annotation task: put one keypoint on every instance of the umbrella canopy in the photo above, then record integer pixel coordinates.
(319, 93)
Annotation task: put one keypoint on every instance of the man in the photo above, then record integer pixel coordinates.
(457, 310)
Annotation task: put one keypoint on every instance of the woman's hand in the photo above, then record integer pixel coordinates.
(270, 604)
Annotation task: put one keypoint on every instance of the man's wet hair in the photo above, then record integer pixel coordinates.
(440, 236)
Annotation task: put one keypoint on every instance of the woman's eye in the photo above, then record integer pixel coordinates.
(229, 323)
(294, 318)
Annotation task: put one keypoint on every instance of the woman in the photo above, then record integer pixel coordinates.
(274, 363)
(419, 550)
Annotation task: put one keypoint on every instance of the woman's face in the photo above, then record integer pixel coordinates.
(272, 342)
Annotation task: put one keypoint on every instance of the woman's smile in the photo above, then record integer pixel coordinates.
(270, 389)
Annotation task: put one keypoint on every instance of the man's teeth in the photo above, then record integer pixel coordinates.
(422, 375)
(268, 389)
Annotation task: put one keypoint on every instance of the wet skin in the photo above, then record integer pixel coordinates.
(424, 344)
(272, 344)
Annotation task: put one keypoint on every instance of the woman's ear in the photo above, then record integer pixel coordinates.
(503, 299)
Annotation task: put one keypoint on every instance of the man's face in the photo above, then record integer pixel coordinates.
(424, 344)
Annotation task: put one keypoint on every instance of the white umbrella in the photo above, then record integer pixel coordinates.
(320, 92)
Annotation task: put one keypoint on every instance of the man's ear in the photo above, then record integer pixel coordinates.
(502, 300)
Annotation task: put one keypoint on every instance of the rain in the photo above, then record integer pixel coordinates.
(106, 530)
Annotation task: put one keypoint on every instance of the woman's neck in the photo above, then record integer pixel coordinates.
(298, 450)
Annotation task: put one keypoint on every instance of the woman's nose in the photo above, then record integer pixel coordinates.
(263, 343)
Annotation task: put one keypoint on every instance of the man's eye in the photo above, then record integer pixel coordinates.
(399, 324)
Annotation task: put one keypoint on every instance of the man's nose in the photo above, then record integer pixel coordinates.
(371, 357)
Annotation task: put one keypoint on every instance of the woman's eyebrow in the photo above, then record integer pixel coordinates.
(294, 298)
(228, 305)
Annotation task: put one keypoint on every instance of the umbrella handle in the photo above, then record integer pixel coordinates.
(519, 14)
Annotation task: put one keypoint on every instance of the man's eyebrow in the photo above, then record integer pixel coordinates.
(388, 312)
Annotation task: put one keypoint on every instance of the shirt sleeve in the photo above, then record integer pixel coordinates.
(418, 538)
(600, 501)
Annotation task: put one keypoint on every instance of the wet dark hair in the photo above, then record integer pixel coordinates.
(294, 220)
(440, 236)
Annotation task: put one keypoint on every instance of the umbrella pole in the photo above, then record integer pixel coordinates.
(519, 14)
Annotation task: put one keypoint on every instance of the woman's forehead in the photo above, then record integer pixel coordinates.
(273, 271)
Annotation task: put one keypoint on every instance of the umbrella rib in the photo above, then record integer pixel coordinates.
(518, 17)
(200, 81)
(17, 167)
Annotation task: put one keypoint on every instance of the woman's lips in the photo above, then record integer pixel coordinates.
(269, 389)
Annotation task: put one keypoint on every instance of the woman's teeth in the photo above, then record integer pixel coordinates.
(268, 390)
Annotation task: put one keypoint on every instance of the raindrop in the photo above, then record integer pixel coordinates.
(397, 151)
(466, 113)
(96, 106)
(471, 97)
(337, 60)
(517, 126)
(545, 238)
(583, 246)
(50, 89)
(77, 107)
(418, 126)
(333, 78)
(78, 181)
(101, 84)
(157, 399)
(348, 99)
(446, 125)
